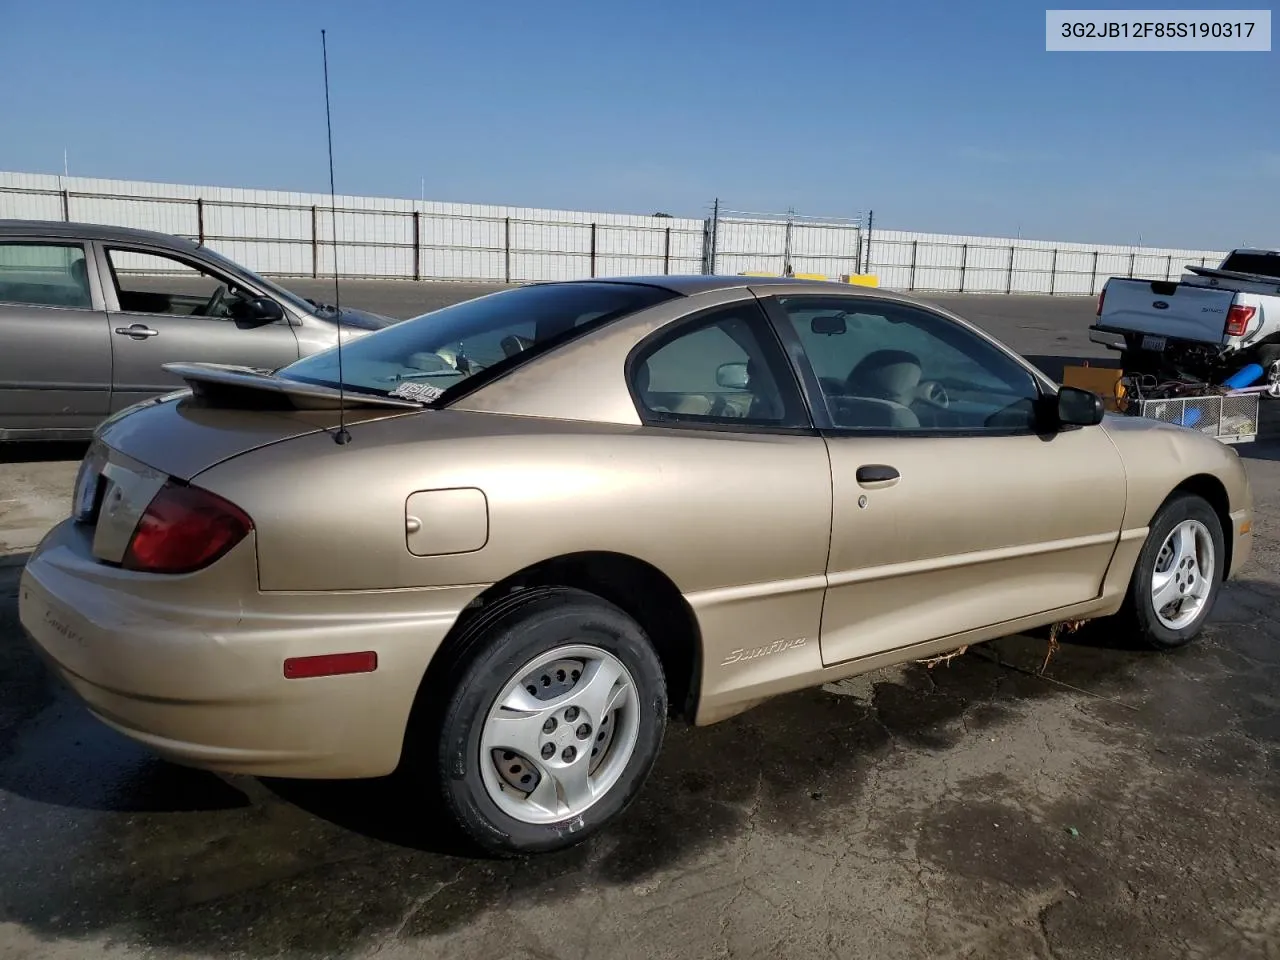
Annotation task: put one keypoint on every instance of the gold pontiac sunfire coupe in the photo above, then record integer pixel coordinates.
(494, 547)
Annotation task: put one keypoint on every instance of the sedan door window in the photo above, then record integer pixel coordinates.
(44, 275)
(883, 365)
(148, 282)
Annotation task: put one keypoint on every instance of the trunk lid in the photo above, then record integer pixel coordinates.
(227, 412)
(131, 459)
(230, 411)
(1176, 311)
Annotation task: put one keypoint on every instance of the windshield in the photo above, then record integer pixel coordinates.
(423, 357)
(292, 298)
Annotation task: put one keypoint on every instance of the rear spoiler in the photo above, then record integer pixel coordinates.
(226, 385)
(1214, 272)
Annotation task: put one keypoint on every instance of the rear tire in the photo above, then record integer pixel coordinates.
(552, 712)
(1267, 354)
(1178, 575)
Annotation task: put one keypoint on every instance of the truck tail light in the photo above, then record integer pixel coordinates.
(1102, 295)
(1238, 318)
(184, 529)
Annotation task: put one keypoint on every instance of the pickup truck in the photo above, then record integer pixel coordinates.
(1208, 325)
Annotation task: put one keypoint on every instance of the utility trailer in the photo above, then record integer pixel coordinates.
(1229, 412)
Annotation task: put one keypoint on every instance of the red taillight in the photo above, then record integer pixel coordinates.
(1238, 318)
(1102, 295)
(184, 529)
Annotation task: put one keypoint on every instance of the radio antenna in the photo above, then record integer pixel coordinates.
(342, 436)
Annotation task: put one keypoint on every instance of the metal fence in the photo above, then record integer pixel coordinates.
(996, 267)
(743, 242)
(312, 239)
(298, 234)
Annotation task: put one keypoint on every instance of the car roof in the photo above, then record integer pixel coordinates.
(90, 231)
(692, 284)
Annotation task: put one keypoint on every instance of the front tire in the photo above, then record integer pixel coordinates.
(1178, 575)
(555, 711)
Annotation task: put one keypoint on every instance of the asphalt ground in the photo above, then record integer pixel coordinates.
(1119, 804)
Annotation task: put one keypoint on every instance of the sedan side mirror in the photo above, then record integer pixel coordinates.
(257, 310)
(732, 376)
(1079, 408)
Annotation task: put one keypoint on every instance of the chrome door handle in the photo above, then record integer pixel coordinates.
(139, 331)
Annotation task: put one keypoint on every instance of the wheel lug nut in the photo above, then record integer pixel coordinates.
(571, 714)
(584, 731)
(568, 755)
(550, 725)
(548, 751)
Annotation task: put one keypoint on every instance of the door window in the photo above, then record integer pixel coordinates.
(44, 275)
(723, 368)
(883, 365)
(149, 282)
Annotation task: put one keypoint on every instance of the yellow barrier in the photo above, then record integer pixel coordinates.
(860, 279)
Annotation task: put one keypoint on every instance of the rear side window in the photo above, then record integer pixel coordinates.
(723, 368)
(44, 275)
(1261, 264)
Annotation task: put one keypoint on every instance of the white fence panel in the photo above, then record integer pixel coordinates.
(291, 234)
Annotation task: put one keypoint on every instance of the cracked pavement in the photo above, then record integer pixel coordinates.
(1125, 804)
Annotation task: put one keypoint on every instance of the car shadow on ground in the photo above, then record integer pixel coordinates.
(1268, 449)
(42, 451)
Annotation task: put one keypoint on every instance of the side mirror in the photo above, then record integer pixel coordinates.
(831, 325)
(258, 310)
(1079, 408)
(732, 376)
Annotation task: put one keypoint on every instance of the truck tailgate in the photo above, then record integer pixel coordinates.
(1175, 310)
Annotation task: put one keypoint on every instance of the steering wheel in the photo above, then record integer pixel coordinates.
(215, 301)
(512, 344)
(931, 391)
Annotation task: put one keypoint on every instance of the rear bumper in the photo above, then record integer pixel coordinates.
(198, 677)
(1109, 339)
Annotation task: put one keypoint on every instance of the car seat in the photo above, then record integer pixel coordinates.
(880, 389)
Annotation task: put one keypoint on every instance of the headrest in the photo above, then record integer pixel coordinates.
(891, 374)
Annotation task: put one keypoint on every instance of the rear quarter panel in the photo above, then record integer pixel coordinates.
(710, 510)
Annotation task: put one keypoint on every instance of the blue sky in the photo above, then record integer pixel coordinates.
(938, 115)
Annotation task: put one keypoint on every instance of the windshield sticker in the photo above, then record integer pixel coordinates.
(417, 391)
